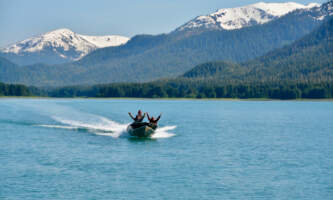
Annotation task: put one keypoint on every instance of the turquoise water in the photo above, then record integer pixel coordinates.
(78, 149)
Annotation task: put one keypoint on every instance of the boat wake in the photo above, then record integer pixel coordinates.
(163, 132)
(85, 122)
(97, 125)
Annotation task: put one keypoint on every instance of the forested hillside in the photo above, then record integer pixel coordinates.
(11, 89)
(309, 59)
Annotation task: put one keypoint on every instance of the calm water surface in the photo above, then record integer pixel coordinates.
(78, 149)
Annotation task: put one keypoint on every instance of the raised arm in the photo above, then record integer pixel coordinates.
(130, 114)
(159, 117)
(148, 116)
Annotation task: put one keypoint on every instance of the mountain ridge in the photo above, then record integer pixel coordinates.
(62, 44)
(244, 16)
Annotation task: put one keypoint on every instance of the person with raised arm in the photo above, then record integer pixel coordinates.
(139, 117)
(152, 120)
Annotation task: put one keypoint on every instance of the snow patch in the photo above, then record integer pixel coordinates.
(239, 17)
(65, 40)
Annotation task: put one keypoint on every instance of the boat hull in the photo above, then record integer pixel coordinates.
(142, 131)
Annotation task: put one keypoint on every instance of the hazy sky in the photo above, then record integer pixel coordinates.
(20, 19)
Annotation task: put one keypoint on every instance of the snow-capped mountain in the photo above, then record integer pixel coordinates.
(240, 17)
(62, 43)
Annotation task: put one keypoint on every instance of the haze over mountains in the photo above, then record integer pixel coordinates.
(148, 57)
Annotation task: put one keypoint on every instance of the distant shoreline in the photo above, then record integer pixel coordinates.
(167, 99)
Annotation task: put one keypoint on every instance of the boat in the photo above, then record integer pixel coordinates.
(141, 129)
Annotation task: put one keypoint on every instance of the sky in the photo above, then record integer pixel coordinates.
(21, 19)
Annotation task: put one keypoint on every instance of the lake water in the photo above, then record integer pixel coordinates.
(78, 149)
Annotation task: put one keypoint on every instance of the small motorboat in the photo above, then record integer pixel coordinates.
(141, 129)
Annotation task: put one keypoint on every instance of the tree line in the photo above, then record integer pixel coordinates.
(183, 88)
(14, 90)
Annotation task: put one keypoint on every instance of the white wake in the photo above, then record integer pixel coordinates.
(163, 132)
(98, 125)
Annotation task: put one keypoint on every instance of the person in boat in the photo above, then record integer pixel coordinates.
(153, 121)
(139, 117)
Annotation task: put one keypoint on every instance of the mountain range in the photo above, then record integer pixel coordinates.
(149, 57)
(58, 46)
(63, 45)
(303, 69)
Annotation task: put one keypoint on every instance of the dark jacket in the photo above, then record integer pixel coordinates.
(153, 121)
(137, 118)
